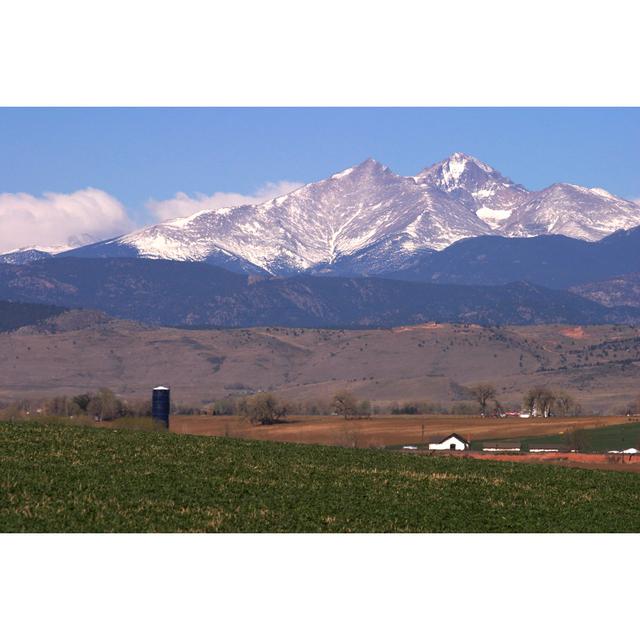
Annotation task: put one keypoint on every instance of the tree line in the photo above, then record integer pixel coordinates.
(267, 408)
(539, 401)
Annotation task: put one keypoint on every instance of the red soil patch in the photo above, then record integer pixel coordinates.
(574, 332)
(418, 327)
(607, 462)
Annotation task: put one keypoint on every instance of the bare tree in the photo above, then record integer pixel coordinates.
(263, 408)
(104, 405)
(482, 393)
(565, 404)
(345, 404)
(539, 401)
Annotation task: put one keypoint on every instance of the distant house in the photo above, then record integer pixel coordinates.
(504, 447)
(631, 451)
(453, 442)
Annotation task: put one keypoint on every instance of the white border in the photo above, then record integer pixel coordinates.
(335, 52)
(314, 586)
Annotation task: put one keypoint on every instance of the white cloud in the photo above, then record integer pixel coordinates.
(59, 219)
(184, 205)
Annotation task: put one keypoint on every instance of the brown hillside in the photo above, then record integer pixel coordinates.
(599, 364)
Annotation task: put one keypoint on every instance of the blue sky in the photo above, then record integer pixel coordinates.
(135, 154)
(153, 153)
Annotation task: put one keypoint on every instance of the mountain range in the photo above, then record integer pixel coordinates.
(619, 290)
(551, 261)
(458, 242)
(368, 220)
(196, 294)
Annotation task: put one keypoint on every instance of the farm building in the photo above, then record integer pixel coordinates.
(547, 448)
(452, 442)
(506, 447)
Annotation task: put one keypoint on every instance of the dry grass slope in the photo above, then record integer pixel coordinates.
(599, 364)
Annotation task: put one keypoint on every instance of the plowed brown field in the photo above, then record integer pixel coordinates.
(382, 431)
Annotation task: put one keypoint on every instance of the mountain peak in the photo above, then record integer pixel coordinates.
(448, 173)
(466, 159)
(366, 167)
(371, 163)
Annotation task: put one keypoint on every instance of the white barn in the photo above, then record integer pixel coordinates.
(453, 442)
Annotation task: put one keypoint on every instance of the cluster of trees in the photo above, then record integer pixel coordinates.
(101, 405)
(426, 408)
(343, 403)
(539, 400)
(415, 408)
(263, 408)
(543, 401)
(232, 406)
(266, 408)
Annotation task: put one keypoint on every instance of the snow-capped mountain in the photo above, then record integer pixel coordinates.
(367, 219)
(317, 224)
(25, 255)
(570, 210)
(513, 211)
(475, 184)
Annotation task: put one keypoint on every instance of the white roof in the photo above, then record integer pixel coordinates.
(161, 388)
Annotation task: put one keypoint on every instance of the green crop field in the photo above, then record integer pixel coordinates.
(56, 478)
(602, 439)
(615, 437)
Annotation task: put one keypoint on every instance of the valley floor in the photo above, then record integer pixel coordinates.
(385, 431)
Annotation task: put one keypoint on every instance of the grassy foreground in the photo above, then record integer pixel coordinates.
(55, 478)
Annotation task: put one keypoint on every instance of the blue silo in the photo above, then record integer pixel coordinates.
(161, 405)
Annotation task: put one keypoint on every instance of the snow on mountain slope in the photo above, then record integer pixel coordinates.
(316, 224)
(367, 219)
(473, 183)
(570, 210)
(24, 255)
